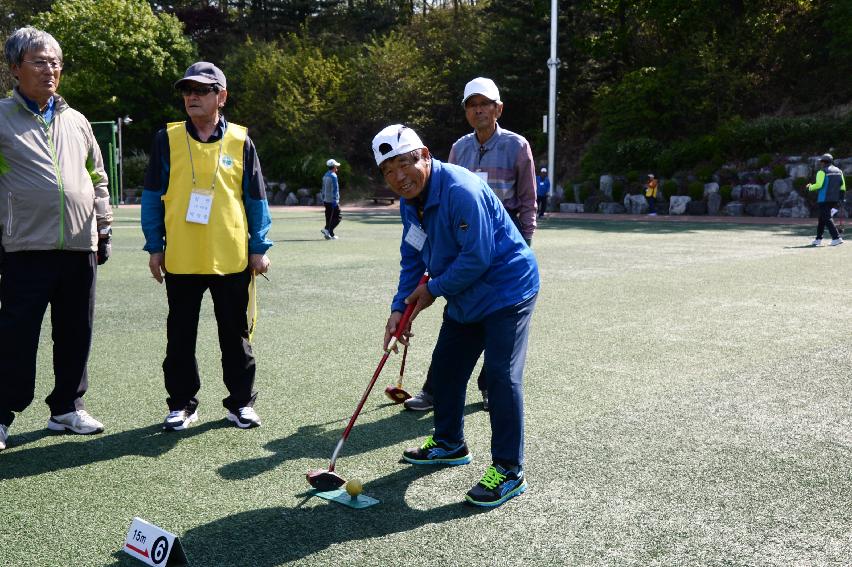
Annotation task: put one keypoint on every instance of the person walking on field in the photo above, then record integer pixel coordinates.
(331, 199)
(455, 227)
(651, 194)
(206, 219)
(503, 160)
(832, 190)
(55, 227)
(542, 183)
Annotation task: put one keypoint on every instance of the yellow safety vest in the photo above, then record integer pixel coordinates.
(221, 245)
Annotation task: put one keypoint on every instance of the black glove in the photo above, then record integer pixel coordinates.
(104, 250)
(528, 241)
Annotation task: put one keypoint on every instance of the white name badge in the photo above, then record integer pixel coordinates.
(415, 237)
(483, 175)
(152, 545)
(200, 204)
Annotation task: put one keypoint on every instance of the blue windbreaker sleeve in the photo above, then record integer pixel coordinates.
(475, 243)
(156, 183)
(254, 200)
(411, 263)
(336, 188)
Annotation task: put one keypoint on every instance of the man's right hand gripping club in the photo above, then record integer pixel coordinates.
(421, 299)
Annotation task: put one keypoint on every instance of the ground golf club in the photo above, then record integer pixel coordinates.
(397, 393)
(326, 479)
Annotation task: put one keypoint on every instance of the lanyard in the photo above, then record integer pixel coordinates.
(192, 165)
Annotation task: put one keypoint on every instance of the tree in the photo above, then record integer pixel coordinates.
(120, 59)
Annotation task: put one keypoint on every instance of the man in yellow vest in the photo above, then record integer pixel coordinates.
(206, 218)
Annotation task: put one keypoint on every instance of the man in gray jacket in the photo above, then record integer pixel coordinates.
(55, 220)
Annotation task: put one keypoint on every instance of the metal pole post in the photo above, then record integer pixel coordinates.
(552, 64)
(120, 164)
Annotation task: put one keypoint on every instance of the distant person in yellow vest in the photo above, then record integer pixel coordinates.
(651, 194)
(206, 219)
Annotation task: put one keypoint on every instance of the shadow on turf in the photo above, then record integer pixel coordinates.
(149, 441)
(670, 227)
(278, 535)
(317, 442)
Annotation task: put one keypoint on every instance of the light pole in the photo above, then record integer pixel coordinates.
(126, 121)
(552, 64)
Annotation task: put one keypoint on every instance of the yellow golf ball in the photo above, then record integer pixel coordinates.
(354, 487)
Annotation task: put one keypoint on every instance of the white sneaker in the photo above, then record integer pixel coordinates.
(4, 434)
(246, 418)
(334, 237)
(837, 241)
(817, 242)
(325, 233)
(179, 420)
(79, 422)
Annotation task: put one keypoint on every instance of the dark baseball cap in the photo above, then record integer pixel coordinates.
(205, 73)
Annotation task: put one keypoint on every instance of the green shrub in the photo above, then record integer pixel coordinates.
(618, 191)
(779, 171)
(764, 159)
(632, 176)
(668, 188)
(704, 171)
(799, 184)
(586, 190)
(134, 168)
(725, 191)
(696, 190)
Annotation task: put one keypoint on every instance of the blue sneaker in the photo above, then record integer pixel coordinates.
(497, 485)
(438, 453)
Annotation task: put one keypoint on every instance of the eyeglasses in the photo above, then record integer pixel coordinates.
(200, 91)
(42, 64)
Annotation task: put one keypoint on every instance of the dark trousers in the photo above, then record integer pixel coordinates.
(180, 368)
(29, 282)
(652, 204)
(502, 335)
(332, 217)
(542, 205)
(824, 220)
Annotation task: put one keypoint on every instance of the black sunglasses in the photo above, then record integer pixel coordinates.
(200, 91)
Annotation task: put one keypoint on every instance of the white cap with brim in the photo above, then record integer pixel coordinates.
(332, 163)
(481, 86)
(393, 141)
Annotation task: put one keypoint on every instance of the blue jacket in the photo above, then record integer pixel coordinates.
(543, 185)
(330, 188)
(475, 255)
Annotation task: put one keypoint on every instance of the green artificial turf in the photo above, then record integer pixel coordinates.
(687, 402)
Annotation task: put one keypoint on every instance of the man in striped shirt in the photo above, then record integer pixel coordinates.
(504, 161)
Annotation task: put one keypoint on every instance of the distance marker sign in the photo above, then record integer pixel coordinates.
(152, 545)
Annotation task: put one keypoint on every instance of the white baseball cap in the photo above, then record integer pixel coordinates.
(332, 163)
(544, 170)
(394, 140)
(481, 86)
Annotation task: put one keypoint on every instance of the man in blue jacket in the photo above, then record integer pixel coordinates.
(331, 199)
(832, 189)
(455, 228)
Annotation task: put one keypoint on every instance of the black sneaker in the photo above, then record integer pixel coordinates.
(497, 485)
(485, 405)
(437, 453)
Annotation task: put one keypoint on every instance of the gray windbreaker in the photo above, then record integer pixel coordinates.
(53, 187)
